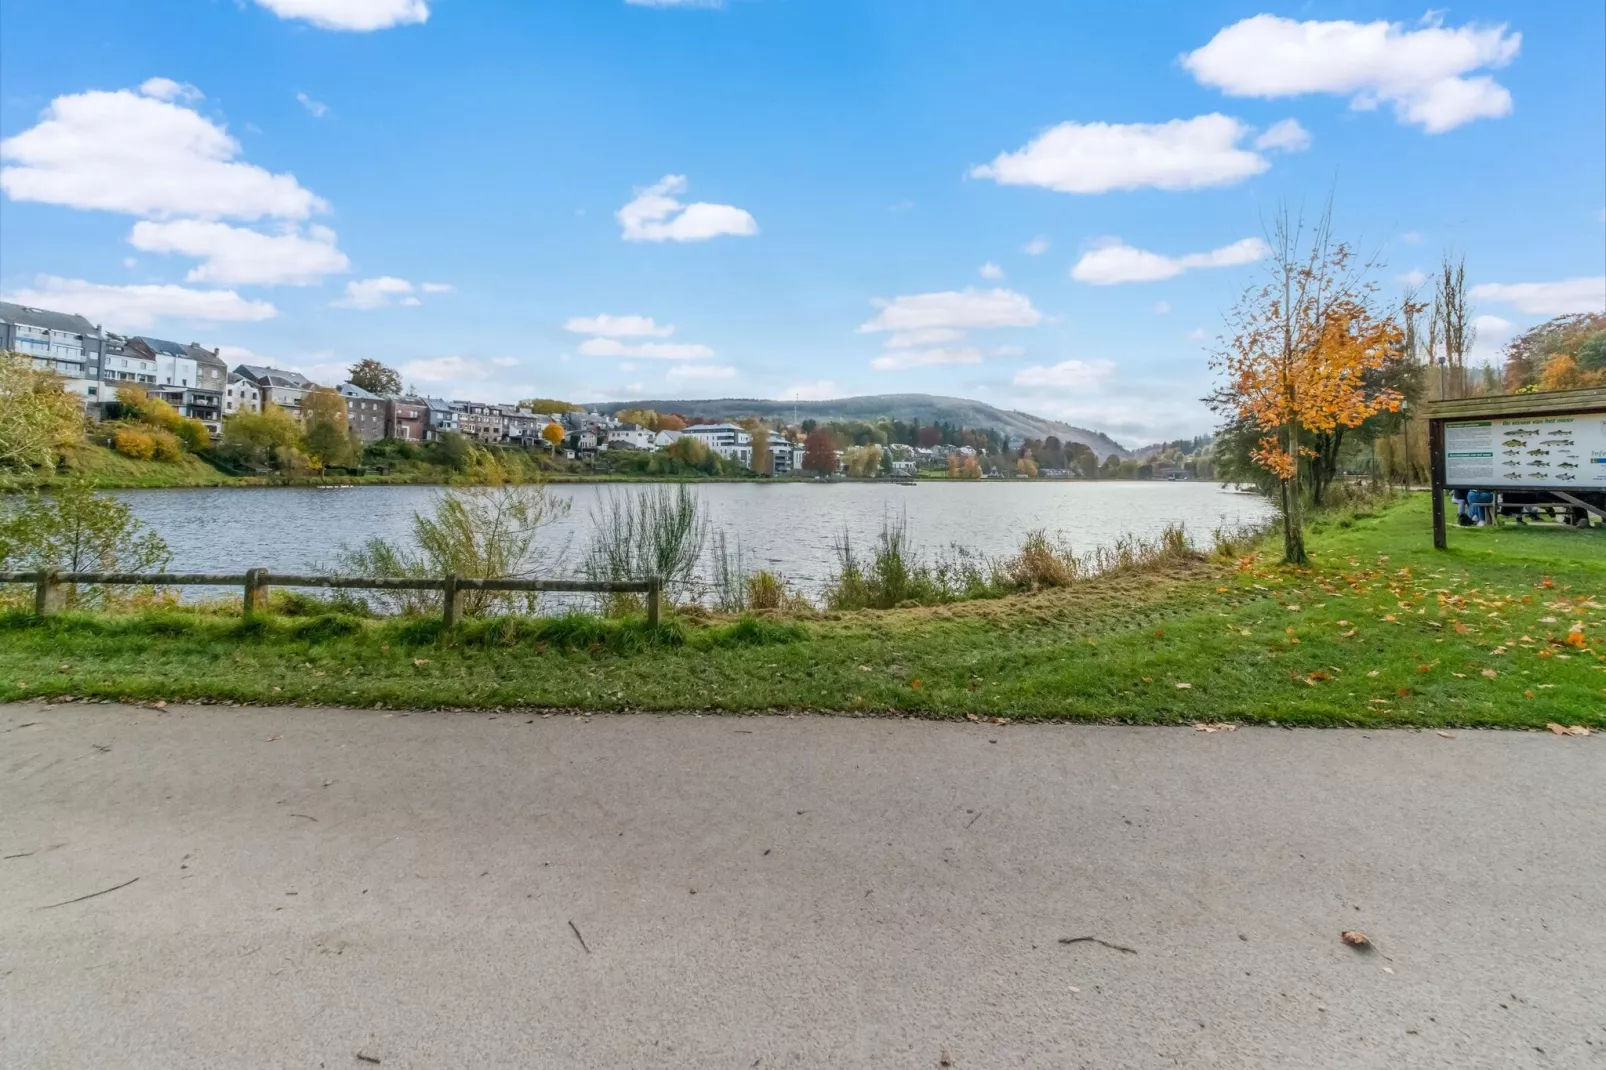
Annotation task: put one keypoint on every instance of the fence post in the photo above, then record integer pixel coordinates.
(47, 594)
(655, 587)
(256, 590)
(452, 599)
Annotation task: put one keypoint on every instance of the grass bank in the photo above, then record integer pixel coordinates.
(1504, 630)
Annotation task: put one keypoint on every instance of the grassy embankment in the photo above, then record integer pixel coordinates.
(1380, 631)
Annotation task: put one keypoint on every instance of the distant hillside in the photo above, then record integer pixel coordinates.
(927, 408)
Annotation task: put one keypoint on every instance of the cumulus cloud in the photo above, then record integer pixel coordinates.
(455, 369)
(1115, 262)
(1413, 278)
(1547, 298)
(143, 155)
(655, 215)
(130, 308)
(167, 89)
(700, 372)
(919, 326)
(1067, 375)
(612, 347)
(316, 108)
(1284, 136)
(1425, 73)
(360, 15)
(1036, 247)
(1181, 154)
(953, 309)
(990, 270)
(903, 359)
(366, 294)
(619, 326)
(813, 390)
(238, 256)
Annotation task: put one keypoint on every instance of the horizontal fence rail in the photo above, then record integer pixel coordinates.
(50, 586)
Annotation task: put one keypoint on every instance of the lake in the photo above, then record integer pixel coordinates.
(788, 528)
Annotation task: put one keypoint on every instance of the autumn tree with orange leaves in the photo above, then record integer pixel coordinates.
(1304, 356)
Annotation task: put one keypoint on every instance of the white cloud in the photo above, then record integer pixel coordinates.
(919, 325)
(1284, 136)
(453, 369)
(1411, 237)
(700, 372)
(904, 359)
(815, 390)
(990, 270)
(436, 287)
(122, 152)
(612, 347)
(359, 15)
(316, 108)
(1197, 334)
(1489, 340)
(237, 256)
(167, 89)
(1115, 262)
(618, 326)
(925, 336)
(953, 309)
(655, 215)
(1162, 308)
(373, 293)
(1036, 247)
(1099, 157)
(128, 308)
(1413, 278)
(1067, 375)
(130, 263)
(1422, 72)
(1547, 298)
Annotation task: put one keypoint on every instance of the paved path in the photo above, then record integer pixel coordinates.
(778, 892)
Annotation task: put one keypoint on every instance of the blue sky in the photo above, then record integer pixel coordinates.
(1043, 205)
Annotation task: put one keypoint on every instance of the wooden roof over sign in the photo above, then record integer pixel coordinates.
(1505, 405)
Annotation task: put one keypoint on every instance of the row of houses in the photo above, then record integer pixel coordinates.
(93, 363)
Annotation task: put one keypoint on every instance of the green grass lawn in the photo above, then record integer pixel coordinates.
(1381, 630)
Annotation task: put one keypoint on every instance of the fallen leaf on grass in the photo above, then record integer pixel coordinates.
(1349, 634)
(1461, 629)
(1375, 673)
(916, 683)
(420, 661)
(971, 717)
(1490, 673)
(1568, 730)
(1355, 939)
(1184, 687)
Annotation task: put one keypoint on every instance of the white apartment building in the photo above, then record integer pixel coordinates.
(632, 437)
(729, 441)
(241, 395)
(68, 345)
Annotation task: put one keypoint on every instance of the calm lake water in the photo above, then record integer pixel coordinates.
(788, 528)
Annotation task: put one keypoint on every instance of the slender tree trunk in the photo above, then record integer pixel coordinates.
(1293, 518)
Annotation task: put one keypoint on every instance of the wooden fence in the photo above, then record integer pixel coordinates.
(50, 587)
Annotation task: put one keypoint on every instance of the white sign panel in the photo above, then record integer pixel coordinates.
(1566, 452)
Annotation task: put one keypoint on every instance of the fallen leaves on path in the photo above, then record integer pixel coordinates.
(1355, 939)
(1567, 730)
(1215, 726)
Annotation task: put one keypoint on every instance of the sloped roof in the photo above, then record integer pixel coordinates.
(163, 346)
(265, 376)
(50, 321)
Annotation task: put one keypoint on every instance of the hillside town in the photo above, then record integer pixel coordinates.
(99, 366)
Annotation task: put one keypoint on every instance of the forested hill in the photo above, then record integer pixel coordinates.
(927, 408)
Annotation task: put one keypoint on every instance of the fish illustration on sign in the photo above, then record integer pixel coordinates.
(1566, 464)
(1538, 464)
(1513, 442)
(1512, 464)
(1539, 453)
(1557, 442)
(1522, 431)
(1565, 475)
